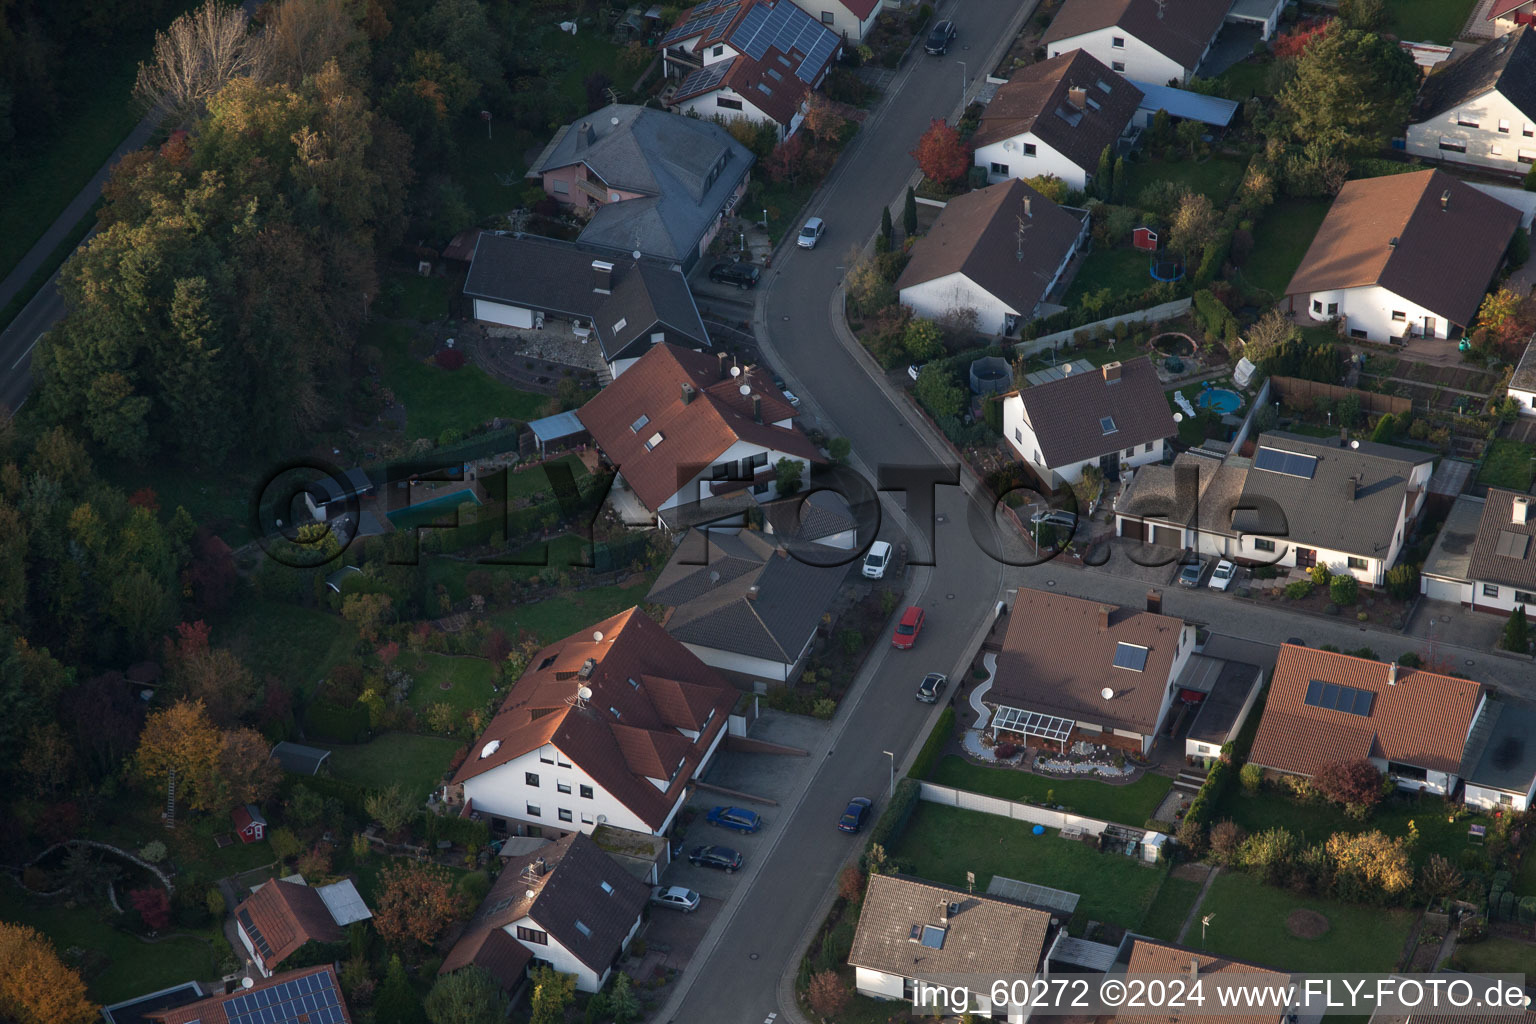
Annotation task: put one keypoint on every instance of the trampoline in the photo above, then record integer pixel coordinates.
(1167, 268)
(1220, 399)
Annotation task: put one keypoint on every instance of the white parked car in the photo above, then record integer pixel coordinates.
(792, 398)
(876, 561)
(811, 233)
(676, 897)
(1221, 576)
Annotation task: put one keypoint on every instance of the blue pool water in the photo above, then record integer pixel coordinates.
(425, 512)
(1220, 399)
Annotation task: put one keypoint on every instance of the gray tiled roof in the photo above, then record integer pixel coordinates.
(708, 588)
(985, 935)
(1524, 377)
(1507, 64)
(1065, 414)
(1211, 490)
(556, 277)
(1491, 563)
(1453, 546)
(1322, 511)
(670, 158)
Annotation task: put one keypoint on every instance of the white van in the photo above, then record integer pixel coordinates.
(878, 558)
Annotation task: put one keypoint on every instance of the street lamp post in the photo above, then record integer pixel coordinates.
(892, 756)
(962, 86)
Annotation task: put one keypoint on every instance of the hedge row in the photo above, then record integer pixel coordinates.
(1078, 316)
(1215, 787)
(893, 822)
(943, 729)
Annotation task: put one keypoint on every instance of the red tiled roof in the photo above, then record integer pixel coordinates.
(1500, 8)
(860, 8)
(288, 915)
(626, 734)
(1159, 958)
(1421, 719)
(212, 1010)
(1029, 101)
(693, 434)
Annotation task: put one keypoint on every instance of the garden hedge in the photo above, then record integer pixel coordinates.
(943, 729)
(893, 822)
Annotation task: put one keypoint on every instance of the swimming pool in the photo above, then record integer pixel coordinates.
(1220, 399)
(425, 513)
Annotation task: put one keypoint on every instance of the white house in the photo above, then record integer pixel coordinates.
(851, 19)
(1055, 117)
(743, 604)
(757, 59)
(996, 252)
(1508, 15)
(1075, 670)
(285, 914)
(607, 726)
(1485, 556)
(682, 428)
(1481, 109)
(1403, 255)
(1115, 418)
(1185, 506)
(912, 931)
(1324, 708)
(1500, 761)
(567, 905)
(1148, 40)
(1522, 383)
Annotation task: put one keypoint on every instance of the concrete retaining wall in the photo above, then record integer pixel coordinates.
(967, 801)
(1152, 314)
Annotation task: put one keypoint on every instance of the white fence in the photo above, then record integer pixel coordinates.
(1152, 314)
(967, 801)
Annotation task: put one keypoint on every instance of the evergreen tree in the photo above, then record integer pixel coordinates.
(1104, 177)
(396, 1000)
(1516, 631)
(886, 230)
(1119, 189)
(909, 211)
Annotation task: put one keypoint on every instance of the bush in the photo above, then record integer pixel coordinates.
(897, 813)
(1252, 778)
(1344, 590)
(1403, 581)
(1320, 574)
(450, 358)
(1298, 590)
(943, 729)
(1005, 751)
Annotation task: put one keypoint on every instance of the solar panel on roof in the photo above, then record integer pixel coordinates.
(704, 79)
(1130, 656)
(1512, 545)
(1349, 699)
(933, 936)
(1274, 460)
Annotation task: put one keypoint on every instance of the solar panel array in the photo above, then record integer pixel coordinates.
(1289, 463)
(704, 80)
(785, 27)
(1512, 545)
(311, 996)
(1034, 895)
(707, 18)
(1048, 726)
(255, 934)
(1339, 698)
(1130, 656)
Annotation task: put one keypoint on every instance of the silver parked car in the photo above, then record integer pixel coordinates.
(676, 897)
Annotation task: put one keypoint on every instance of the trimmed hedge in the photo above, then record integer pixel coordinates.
(460, 831)
(943, 729)
(1215, 787)
(893, 822)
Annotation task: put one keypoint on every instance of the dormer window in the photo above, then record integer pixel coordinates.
(654, 440)
(635, 427)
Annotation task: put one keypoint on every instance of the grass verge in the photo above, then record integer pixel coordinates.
(437, 400)
(416, 762)
(1508, 464)
(1128, 805)
(561, 616)
(1281, 239)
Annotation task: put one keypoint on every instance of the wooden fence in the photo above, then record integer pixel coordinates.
(1295, 391)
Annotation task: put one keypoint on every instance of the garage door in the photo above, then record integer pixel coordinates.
(1446, 590)
(1168, 536)
(1135, 529)
(496, 313)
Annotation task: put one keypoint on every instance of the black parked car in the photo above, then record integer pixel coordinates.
(853, 818)
(742, 275)
(939, 39)
(722, 857)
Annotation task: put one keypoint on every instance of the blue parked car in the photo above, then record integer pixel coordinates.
(737, 818)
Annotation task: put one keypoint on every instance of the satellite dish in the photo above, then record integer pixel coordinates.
(745, 389)
(1354, 444)
(614, 121)
(246, 982)
(585, 693)
(1107, 693)
(529, 893)
(635, 253)
(601, 818)
(1178, 417)
(735, 371)
(597, 637)
(1066, 369)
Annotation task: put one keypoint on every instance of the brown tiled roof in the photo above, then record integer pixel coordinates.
(693, 435)
(213, 1009)
(1180, 30)
(986, 935)
(579, 885)
(1497, 558)
(977, 235)
(288, 915)
(626, 734)
(1031, 99)
(1056, 659)
(1193, 488)
(1422, 719)
(1444, 257)
(1065, 414)
(1160, 958)
(782, 100)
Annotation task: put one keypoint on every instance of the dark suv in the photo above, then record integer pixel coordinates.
(742, 275)
(939, 39)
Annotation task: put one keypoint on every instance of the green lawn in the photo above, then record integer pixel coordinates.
(416, 762)
(1128, 805)
(565, 553)
(1216, 177)
(1428, 21)
(1249, 923)
(436, 399)
(297, 645)
(413, 297)
(1246, 78)
(1205, 423)
(1170, 909)
(1496, 956)
(491, 169)
(1280, 240)
(943, 843)
(1316, 821)
(559, 617)
(536, 481)
(219, 499)
(1122, 270)
(1524, 883)
(133, 966)
(1508, 464)
(468, 681)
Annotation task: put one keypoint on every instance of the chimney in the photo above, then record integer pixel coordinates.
(725, 371)
(585, 136)
(1392, 674)
(1105, 610)
(1343, 437)
(540, 866)
(1194, 969)
(1078, 97)
(687, 393)
(752, 593)
(1393, 243)
(944, 912)
(781, 552)
(1520, 508)
(1354, 486)
(587, 668)
(1028, 203)
(602, 277)
(1155, 602)
(1111, 372)
(757, 408)
(1445, 200)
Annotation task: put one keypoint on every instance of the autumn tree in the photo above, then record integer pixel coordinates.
(1439, 878)
(1350, 92)
(35, 985)
(415, 903)
(828, 995)
(1369, 865)
(552, 993)
(201, 52)
(1194, 228)
(368, 612)
(213, 675)
(154, 907)
(940, 154)
(1356, 784)
(245, 771)
(866, 286)
(1268, 333)
(787, 160)
(302, 35)
(391, 807)
(181, 739)
(48, 759)
(467, 996)
(822, 119)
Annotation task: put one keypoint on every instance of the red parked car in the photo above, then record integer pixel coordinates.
(907, 629)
